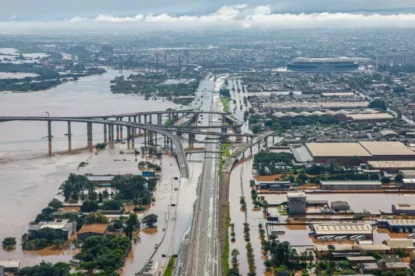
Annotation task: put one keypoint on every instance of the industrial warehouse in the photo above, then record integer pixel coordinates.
(352, 153)
(348, 230)
(351, 185)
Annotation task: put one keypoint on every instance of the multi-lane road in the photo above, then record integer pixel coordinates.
(200, 252)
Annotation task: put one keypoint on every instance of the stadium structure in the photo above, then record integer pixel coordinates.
(302, 64)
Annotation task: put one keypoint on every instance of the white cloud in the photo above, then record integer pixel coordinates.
(78, 19)
(241, 16)
(110, 18)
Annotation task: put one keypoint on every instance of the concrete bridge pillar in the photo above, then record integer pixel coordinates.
(89, 134)
(151, 119)
(165, 142)
(145, 138)
(266, 142)
(159, 119)
(139, 121)
(110, 134)
(223, 121)
(250, 149)
(273, 139)
(117, 127)
(133, 130)
(155, 139)
(69, 137)
(171, 146)
(50, 138)
(259, 146)
(105, 134)
(128, 137)
(191, 140)
(121, 130)
(169, 116)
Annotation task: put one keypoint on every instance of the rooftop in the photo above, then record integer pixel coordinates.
(336, 229)
(401, 222)
(296, 195)
(404, 206)
(361, 258)
(370, 266)
(377, 116)
(100, 177)
(339, 94)
(408, 173)
(387, 148)
(306, 59)
(400, 243)
(396, 265)
(350, 182)
(10, 263)
(354, 247)
(392, 164)
(93, 228)
(336, 149)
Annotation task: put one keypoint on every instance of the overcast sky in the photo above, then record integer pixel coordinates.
(64, 8)
(38, 14)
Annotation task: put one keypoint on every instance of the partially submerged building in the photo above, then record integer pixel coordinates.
(64, 226)
(350, 185)
(89, 230)
(297, 202)
(344, 229)
(10, 266)
(403, 209)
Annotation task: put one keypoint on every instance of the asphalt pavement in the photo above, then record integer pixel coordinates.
(200, 252)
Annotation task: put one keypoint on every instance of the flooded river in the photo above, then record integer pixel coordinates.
(29, 180)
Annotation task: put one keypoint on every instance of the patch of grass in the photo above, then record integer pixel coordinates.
(225, 153)
(225, 102)
(282, 210)
(170, 266)
(225, 253)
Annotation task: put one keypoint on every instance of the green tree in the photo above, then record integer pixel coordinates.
(150, 220)
(9, 243)
(378, 103)
(46, 269)
(96, 217)
(89, 206)
(399, 178)
(55, 204)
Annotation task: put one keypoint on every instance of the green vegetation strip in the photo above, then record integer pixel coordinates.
(225, 102)
(225, 153)
(225, 253)
(170, 266)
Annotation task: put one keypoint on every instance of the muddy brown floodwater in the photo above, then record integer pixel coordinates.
(29, 180)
